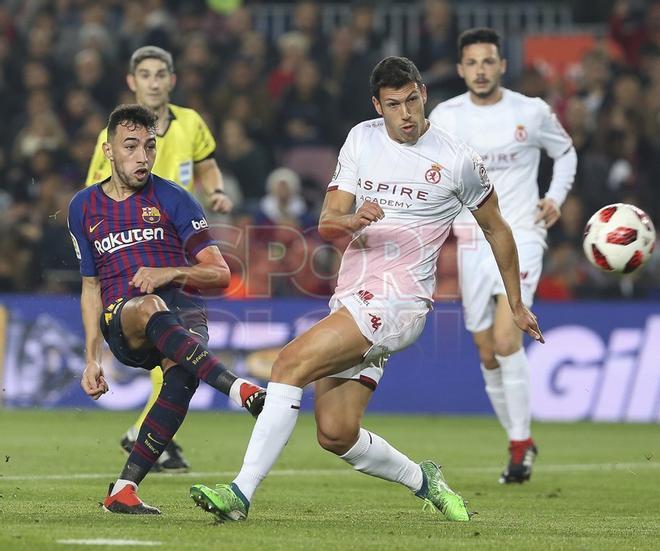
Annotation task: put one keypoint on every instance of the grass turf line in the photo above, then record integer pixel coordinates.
(575, 509)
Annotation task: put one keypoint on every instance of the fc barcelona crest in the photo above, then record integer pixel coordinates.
(521, 133)
(150, 215)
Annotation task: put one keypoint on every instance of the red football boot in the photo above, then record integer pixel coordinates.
(127, 502)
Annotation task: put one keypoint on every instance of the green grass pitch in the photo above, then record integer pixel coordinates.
(595, 486)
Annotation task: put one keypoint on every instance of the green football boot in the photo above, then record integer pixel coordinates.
(435, 492)
(225, 502)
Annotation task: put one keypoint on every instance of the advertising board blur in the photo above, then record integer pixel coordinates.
(601, 361)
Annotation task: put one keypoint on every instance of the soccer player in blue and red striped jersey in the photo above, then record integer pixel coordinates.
(140, 240)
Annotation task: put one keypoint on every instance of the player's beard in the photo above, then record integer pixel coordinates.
(488, 93)
(129, 181)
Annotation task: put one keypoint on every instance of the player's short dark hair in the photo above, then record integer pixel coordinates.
(150, 52)
(393, 72)
(131, 115)
(480, 35)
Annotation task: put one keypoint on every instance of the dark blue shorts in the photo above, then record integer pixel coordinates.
(190, 311)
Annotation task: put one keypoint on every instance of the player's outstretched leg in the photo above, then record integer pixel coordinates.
(339, 408)
(374, 456)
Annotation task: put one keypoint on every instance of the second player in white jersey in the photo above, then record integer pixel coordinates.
(509, 135)
(508, 130)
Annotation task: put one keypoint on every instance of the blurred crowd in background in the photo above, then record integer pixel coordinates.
(279, 106)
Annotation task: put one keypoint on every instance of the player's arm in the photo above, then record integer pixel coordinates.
(209, 272)
(207, 172)
(205, 169)
(499, 236)
(93, 381)
(338, 218)
(559, 146)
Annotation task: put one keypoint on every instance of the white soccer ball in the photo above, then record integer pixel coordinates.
(619, 238)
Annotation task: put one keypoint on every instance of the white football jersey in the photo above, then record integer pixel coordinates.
(509, 136)
(421, 188)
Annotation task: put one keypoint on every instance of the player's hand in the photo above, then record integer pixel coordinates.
(147, 280)
(93, 381)
(527, 322)
(368, 213)
(548, 211)
(220, 202)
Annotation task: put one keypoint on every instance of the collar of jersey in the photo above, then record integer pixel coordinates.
(171, 117)
(102, 192)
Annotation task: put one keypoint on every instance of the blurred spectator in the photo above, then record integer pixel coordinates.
(91, 75)
(307, 22)
(593, 85)
(145, 23)
(565, 271)
(283, 203)
(306, 116)
(437, 55)
(635, 26)
(367, 39)
(56, 261)
(239, 38)
(242, 80)
(78, 106)
(293, 48)
(79, 152)
(578, 124)
(344, 79)
(40, 132)
(245, 159)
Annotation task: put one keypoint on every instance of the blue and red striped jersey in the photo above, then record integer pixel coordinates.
(159, 226)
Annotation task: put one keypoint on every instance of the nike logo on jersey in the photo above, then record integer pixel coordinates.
(92, 228)
(196, 333)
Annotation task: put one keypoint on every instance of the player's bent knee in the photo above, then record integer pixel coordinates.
(336, 438)
(506, 346)
(148, 305)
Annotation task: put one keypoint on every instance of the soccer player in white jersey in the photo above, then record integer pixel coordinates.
(399, 183)
(508, 130)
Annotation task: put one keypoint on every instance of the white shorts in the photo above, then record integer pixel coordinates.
(480, 280)
(390, 325)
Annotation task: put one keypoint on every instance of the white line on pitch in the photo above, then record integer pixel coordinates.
(579, 467)
(109, 542)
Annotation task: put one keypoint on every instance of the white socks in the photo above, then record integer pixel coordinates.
(270, 434)
(515, 381)
(495, 391)
(121, 484)
(373, 455)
